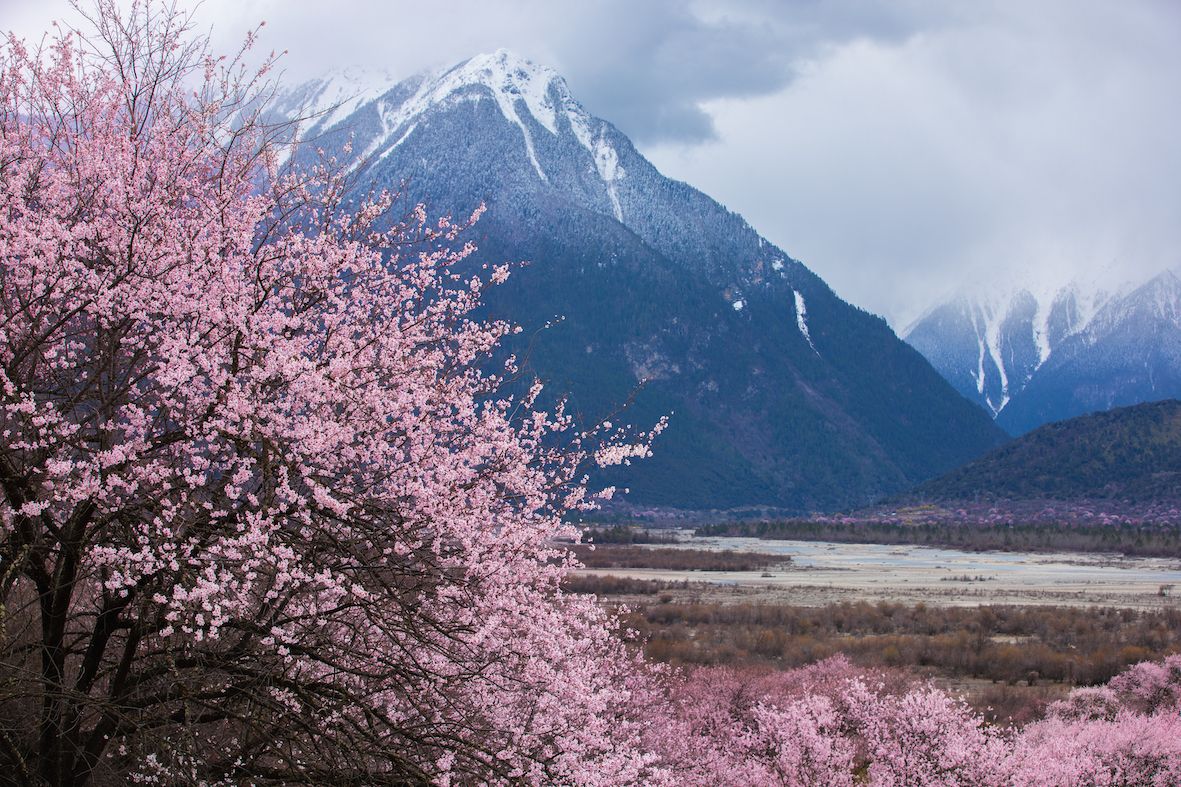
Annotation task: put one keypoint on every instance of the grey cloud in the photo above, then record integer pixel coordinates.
(665, 64)
(646, 66)
(1032, 143)
(650, 67)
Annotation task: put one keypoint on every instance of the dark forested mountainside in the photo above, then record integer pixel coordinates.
(1130, 454)
(780, 394)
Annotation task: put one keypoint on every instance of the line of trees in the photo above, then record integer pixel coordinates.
(967, 532)
(676, 559)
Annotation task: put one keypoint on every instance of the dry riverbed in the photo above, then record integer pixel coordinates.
(824, 573)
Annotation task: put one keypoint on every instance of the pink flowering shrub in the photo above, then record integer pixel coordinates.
(832, 724)
(924, 737)
(1125, 733)
(1130, 750)
(801, 742)
(1088, 703)
(734, 727)
(824, 725)
(1150, 687)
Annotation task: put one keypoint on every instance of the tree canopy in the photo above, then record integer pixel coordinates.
(266, 515)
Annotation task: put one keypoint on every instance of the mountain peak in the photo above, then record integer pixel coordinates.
(1159, 298)
(510, 77)
(505, 69)
(1166, 280)
(533, 98)
(506, 62)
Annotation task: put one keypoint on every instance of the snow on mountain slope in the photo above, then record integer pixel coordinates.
(330, 100)
(321, 104)
(990, 344)
(522, 90)
(1029, 355)
(802, 319)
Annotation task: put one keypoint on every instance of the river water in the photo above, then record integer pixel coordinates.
(822, 572)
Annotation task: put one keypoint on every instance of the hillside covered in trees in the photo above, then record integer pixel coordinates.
(1130, 454)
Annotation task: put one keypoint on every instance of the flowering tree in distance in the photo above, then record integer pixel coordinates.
(263, 517)
(832, 724)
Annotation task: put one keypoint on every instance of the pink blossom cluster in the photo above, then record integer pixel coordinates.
(833, 724)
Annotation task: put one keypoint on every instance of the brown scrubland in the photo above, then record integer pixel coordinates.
(1008, 661)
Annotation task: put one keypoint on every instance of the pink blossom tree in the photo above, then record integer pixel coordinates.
(925, 737)
(1123, 734)
(265, 516)
(1128, 750)
(827, 724)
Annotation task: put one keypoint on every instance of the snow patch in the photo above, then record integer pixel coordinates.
(802, 319)
(992, 338)
(979, 375)
(339, 94)
(401, 139)
(607, 163)
(602, 152)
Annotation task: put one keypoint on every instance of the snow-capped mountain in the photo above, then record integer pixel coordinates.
(1034, 356)
(782, 395)
(383, 115)
(322, 103)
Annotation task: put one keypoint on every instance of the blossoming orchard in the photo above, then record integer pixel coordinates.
(273, 513)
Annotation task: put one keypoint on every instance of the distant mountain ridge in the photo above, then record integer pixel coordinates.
(1129, 454)
(1031, 359)
(782, 395)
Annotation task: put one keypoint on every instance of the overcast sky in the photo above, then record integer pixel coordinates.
(901, 149)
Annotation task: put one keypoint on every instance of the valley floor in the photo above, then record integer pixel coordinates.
(822, 573)
(1008, 631)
